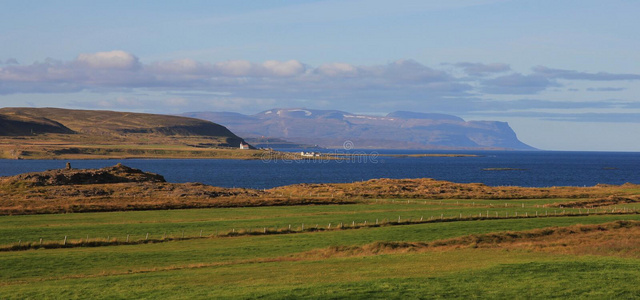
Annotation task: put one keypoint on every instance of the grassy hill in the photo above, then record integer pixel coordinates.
(37, 133)
(57, 120)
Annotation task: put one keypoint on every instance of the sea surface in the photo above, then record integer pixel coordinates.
(525, 168)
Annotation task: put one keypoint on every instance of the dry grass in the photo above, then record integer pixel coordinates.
(599, 202)
(24, 199)
(139, 196)
(425, 188)
(620, 238)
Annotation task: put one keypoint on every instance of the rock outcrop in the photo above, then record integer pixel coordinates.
(116, 174)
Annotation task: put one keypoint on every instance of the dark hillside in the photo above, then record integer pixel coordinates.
(94, 121)
(14, 126)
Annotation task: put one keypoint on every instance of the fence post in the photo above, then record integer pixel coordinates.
(40, 242)
(200, 232)
(127, 238)
(146, 238)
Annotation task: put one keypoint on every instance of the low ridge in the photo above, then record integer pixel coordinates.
(68, 176)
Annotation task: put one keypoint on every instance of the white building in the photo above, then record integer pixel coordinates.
(309, 154)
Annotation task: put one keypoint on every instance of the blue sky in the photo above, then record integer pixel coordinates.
(564, 74)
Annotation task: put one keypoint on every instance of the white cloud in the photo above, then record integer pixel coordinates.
(283, 68)
(234, 68)
(243, 68)
(179, 66)
(337, 70)
(109, 60)
(479, 69)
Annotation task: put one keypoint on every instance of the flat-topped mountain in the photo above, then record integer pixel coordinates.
(397, 130)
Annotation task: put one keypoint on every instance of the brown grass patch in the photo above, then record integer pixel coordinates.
(599, 202)
(426, 188)
(59, 192)
(620, 238)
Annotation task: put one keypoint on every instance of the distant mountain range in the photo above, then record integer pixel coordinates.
(397, 130)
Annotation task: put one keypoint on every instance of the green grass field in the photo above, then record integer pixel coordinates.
(171, 223)
(278, 266)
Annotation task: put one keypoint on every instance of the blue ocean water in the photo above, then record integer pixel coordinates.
(536, 168)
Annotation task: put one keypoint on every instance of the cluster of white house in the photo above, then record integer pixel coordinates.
(245, 146)
(310, 154)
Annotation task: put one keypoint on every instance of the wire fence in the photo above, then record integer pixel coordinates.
(159, 237)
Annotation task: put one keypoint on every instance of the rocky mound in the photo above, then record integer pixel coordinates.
(116, 174)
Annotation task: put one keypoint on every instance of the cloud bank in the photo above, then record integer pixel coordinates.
(116, 70)
(463, 87)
